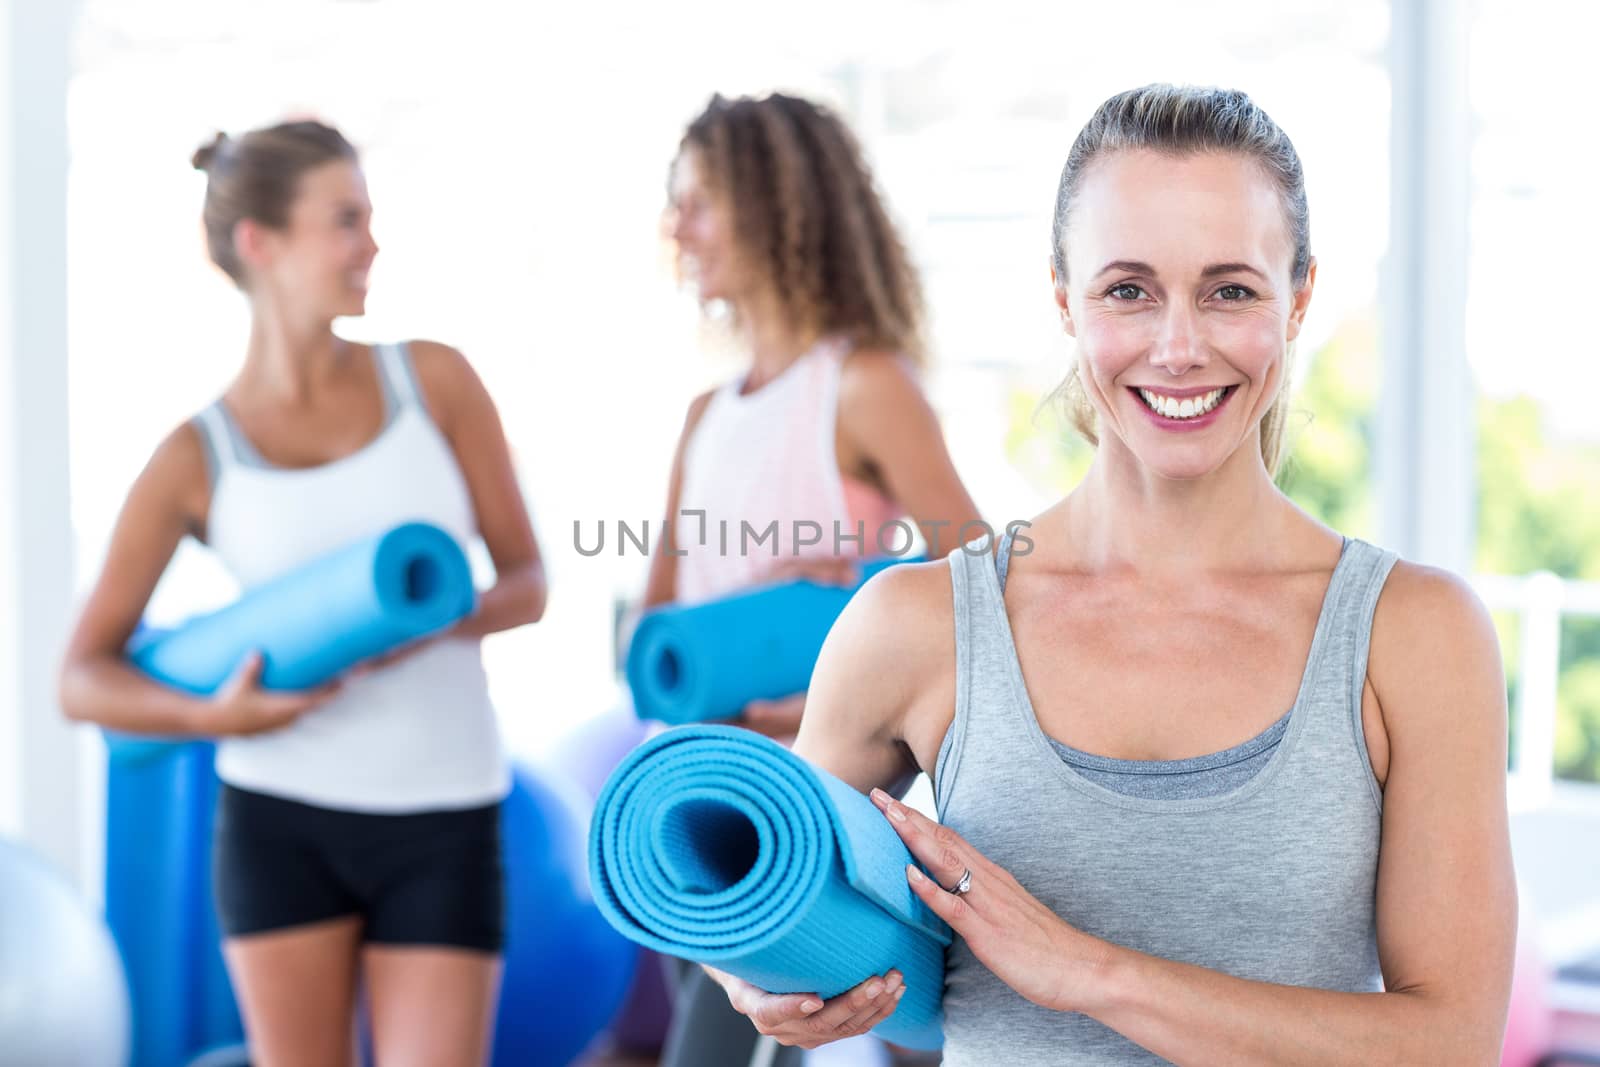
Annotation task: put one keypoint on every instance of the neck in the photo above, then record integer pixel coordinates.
(1123, 517)
(290, 358)
(769, 339)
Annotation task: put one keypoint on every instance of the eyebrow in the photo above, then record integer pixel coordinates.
(1134, 266)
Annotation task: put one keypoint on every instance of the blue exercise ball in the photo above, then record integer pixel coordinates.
(63, 999)
(566, 969)
(586, 755)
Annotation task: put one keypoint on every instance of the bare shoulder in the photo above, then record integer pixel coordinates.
(691, 419)
(181, 451)
(889, 662)
(916, 596)
(871, 374)
(439, 366)
(1434, 651)
(178, 474)
(1428, 607)
(451, 390)
(697, 409)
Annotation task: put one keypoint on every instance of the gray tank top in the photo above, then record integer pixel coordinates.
(1272, 880)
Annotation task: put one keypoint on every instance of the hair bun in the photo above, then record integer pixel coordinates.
(207, 153)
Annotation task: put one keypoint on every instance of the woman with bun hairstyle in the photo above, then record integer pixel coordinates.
(824, 435)
(357, 831)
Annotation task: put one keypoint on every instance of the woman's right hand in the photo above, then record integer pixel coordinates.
(241, 707)
(806, 1020)
(824, 570)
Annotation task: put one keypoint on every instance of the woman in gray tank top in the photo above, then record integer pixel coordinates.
(1215, 784)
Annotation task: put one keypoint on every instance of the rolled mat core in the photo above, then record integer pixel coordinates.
(718, 845)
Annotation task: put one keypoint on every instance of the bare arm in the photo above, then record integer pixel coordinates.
(96, 683)
(884, 685)
(888, 426)
(883, 690)
(661, 585)
(466, 415)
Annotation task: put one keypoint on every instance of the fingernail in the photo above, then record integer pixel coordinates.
(810, 1006)
(894, 983)
(916, 875)
(879, 797)
(873, 989)
(898, 993)
(897, 812)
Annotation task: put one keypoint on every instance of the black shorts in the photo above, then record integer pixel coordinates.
(431, 878)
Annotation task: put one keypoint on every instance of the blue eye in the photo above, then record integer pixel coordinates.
(1121, 291)
(1241, 291)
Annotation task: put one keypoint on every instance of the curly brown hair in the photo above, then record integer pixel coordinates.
(806, 211)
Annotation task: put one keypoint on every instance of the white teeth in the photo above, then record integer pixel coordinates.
(1186, 408)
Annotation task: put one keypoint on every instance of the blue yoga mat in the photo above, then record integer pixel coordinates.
(717, 845)
(317, 621)
(707, 661)
(158, 904)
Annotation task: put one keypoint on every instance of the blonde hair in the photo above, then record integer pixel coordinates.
(1185, 120)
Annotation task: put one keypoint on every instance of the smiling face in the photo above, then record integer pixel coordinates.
(700, 223)
(320, 260)
(1180, 297)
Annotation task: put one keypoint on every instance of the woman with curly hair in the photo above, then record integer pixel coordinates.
(824, 445)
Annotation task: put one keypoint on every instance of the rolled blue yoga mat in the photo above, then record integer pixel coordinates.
(317, 621)
(707, 661)
(311, 624)
(714, 844)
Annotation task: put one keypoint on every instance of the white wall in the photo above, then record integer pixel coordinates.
(40, 796)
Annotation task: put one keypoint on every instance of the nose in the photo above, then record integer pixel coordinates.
(1179, 346)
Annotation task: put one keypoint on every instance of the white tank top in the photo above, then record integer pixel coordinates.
(419, 734)
(767, 459)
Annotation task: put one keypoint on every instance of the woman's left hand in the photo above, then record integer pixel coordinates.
(1028, 947)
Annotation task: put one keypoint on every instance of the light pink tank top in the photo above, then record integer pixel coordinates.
(762, 469)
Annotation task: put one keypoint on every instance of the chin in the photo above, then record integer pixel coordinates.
(709, 284)
(1173, 472)
(1181, 464)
